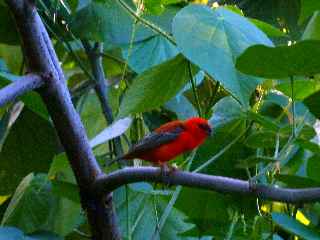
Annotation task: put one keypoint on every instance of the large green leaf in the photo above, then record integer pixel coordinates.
(313, 103)
(294, 181)
(149, 53)
(110, 23)
(29, 147)
(268, 29)
(313, 167)
(92, 116)
(35, 207)
(312, 30)
(225, 111)
(32, 207)
(153, 88)
(293, 226)
(181, 106)
(282, 61)
(211, 211)
(144, 212)
(302, 87)
(213, 39)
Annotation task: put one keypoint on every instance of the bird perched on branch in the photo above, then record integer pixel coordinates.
(170, 140)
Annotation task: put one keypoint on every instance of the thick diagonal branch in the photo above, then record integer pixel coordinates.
(19, 87)
(108, 183)
(42, 58)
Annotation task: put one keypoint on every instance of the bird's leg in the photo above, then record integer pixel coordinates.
(165, 173)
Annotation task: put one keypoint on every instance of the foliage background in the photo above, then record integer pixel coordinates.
(174, 60)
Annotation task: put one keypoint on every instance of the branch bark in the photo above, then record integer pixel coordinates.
(95, 58)
(110, 182)
(17, 88)
(41, 58)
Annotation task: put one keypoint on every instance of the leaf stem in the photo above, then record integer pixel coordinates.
(234, 221)
(172, 201)
(293, 108)
(194, 90)
(146, 22)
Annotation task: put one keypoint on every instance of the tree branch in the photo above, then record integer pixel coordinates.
(95, 57)
(112, 181)
(41, 57)
(17, 88)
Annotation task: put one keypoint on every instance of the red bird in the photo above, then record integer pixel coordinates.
(170, 140)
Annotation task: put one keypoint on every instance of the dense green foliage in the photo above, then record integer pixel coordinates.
(253, 72)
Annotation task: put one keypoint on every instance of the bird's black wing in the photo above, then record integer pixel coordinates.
(153, 140)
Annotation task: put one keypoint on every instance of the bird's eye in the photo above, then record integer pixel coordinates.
(205, 127)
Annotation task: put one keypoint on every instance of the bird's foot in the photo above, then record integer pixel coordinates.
(166, 171)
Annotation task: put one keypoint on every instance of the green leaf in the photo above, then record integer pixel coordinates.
(43, 235)
(153, 88)
(181, 106)
(312, 31)
(268, 29)
(306, 144)
(111, 23)
(225, 111)
(302, 87)
(299, 59)
(92, 116)
(264, 121)
(12, 55)
(294, 181)
(154, 6)
(313, 167)
(313, 103)
(60, 169)
(252, 161)
(35, 207)
(149, 53)
(29, 147)
(211, 211)
(213, 39)
(66, 190)
(31, 208)
(144, 211)
(261, 139)
(292, 226)
(307, 9)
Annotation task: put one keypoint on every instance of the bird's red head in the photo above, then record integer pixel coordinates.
(199, 127)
